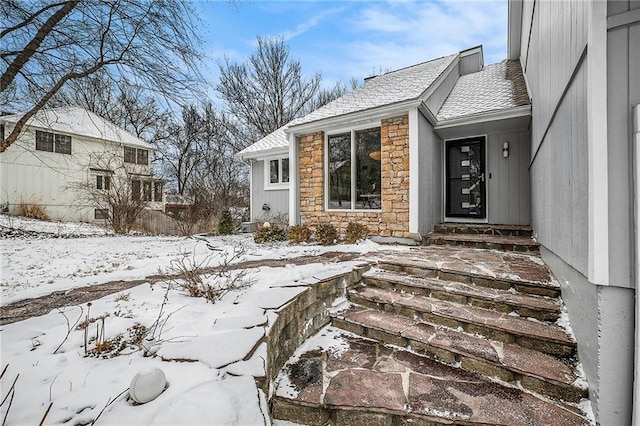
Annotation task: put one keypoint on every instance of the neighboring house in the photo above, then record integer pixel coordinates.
(65, 153)
(548, 137)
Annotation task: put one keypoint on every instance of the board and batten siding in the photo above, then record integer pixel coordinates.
(430, 177)
(623, 66)
(554, 39)
(276, 199)
(508, 178)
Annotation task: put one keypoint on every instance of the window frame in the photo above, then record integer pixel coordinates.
(135, 155)
(57, 141)
(268, 185)
(353, 167)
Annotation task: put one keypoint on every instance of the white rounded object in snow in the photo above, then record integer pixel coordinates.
(147, 385)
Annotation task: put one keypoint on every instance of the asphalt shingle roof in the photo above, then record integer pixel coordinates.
(78, 121)
(386, 89)
(495, 87)
(277, 139)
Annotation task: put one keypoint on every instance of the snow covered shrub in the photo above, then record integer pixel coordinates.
(199, 279)
(326, 235)
(270, 234)
(356, 232)
(225, 223)
(299, 234)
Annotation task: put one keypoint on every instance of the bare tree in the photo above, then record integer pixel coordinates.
(267, 91)
(45, 45)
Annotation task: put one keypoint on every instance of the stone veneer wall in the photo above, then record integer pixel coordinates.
(393, 219)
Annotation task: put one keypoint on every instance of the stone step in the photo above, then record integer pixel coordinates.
(485, 241)
(544, 337)
(483, 229)
(346, 380)
(484, 268)
(511, 363)
(505, 301)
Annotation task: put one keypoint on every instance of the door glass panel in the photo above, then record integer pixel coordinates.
(465, 179)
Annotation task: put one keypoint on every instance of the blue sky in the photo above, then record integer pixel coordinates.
(341, 39)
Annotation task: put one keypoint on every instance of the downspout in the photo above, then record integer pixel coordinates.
(636, 220)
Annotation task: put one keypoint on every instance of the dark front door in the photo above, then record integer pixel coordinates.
(465, 187)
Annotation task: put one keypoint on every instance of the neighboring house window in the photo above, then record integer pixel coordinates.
(136, 155)
(1, 132)
(103, 182)
(354, 171)
(277, 173)
(135, 190)
(157, 191)
(53, 142)
(146, 191)
(101, 214)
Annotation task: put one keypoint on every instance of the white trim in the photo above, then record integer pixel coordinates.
(598, 246)
(623, 19)
(294, 179)
(514, 29)
(414, 172)
(446, 218)
(445, 74)
(521, 111)
(251, 216)
(268, 185)
(636, 219)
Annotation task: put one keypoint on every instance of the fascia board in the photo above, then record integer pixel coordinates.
(485, 116)
(438, 81)
(354, 118)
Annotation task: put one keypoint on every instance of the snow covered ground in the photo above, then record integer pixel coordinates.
(208, 352)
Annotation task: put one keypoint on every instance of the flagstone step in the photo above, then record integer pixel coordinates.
(484, 268)
(506, 301)
(483, 229)
(544, 337)
(346, 380)
(535, 371)
(485, 241)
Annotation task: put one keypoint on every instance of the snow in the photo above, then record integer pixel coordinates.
(216, 349)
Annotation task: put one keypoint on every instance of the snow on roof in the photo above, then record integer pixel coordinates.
(78, 121)
(386, 89)
(276, 139)
(496, 87)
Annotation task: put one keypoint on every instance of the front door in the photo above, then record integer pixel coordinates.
(465, 174)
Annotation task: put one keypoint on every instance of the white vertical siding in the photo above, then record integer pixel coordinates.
(277, 200)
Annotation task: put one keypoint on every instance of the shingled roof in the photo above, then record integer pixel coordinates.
(277, 139)
(387, 89)
(495, 87)
(79, 121)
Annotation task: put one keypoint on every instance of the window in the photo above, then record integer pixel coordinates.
(103, 182)
(100, 214)
(53, 142)
(135, 190)
(136, 155)
(146, 191)
(354, 172)
(157, 191)
(1, 132)
(277, 176)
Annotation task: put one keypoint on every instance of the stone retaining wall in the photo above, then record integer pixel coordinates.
(393, 219)
(301, 318)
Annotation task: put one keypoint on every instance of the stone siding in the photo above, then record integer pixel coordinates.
(393, 219)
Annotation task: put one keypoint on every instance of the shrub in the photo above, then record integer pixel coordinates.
(299, 234)
(32, 210)
(269, 234)
(225, 223)
(356, 232)
(326, 234)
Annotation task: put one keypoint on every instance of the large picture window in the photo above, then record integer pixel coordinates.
(354, 172)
